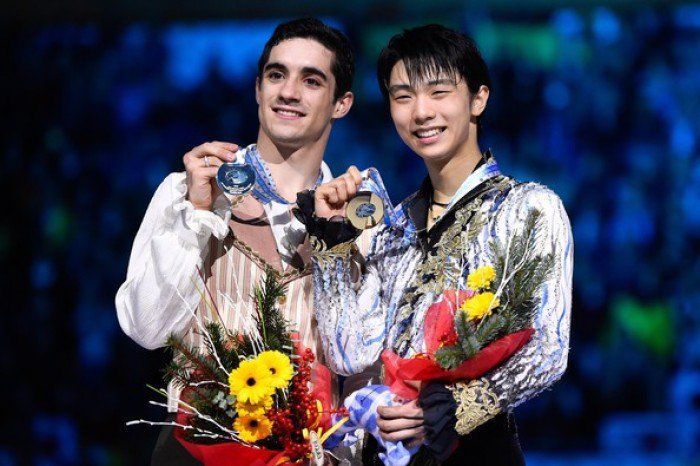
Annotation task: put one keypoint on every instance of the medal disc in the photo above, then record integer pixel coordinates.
(236, 179)
(365, 210)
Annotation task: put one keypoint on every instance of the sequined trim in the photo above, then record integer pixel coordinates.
(476, 404)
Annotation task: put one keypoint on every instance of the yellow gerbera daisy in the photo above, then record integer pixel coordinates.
(251, 382)
(252, 428)
(480, 305)
(481, 278)
(245, 408)
(280, 367)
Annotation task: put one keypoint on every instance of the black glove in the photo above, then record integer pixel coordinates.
(331, 231)
(439, 408)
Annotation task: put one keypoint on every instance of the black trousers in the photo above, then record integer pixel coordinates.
(494, 443)
(169, 452)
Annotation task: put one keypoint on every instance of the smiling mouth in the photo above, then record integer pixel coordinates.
(428, 134)
(288, 113)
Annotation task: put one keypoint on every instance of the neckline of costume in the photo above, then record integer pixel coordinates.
(486, 169)
(265, 189)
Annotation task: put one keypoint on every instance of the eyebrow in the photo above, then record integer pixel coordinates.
(307, 70)
(315, 71)
(433, 82)
(442, 81)
(275, 65)
(399, 87)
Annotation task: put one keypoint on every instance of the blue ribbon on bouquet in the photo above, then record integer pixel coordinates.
(362, 412)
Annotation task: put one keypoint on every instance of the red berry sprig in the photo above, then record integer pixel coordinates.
(300, 413)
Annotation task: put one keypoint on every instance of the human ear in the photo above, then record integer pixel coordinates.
(479, 101)
(342, 105)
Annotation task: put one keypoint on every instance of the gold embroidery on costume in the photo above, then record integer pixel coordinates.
(444, 264)
(326, 255)
(476, 404)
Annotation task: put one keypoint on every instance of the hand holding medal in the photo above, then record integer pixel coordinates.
(358, 196)
(202, 165)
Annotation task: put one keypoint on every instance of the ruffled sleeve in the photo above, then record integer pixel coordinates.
(159, 295)
(202, 223)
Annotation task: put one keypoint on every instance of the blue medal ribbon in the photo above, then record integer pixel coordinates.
(372, 182)
(265, 190)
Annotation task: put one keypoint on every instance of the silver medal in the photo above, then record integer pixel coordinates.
(236, 179)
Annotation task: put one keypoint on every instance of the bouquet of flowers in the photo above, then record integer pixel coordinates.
(467, 332)
(246, 395)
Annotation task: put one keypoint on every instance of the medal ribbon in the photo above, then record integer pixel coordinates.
(372, 181)
(265, 189)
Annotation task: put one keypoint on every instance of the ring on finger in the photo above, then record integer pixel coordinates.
(206, 161)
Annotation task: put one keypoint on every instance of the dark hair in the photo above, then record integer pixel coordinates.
(343, 63)
(428, 51)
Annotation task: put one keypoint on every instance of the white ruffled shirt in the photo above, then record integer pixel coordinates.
(170, 245)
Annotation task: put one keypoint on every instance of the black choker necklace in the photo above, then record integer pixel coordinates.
(439, 203)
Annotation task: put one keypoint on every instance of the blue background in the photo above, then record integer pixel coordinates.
(601, 103)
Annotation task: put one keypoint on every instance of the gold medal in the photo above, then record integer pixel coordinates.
(365, 210)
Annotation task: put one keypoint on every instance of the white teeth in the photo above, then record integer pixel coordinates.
(429, 133)
(289, 113)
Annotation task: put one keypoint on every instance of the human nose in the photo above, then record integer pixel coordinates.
(290, 91)
(422, 110)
